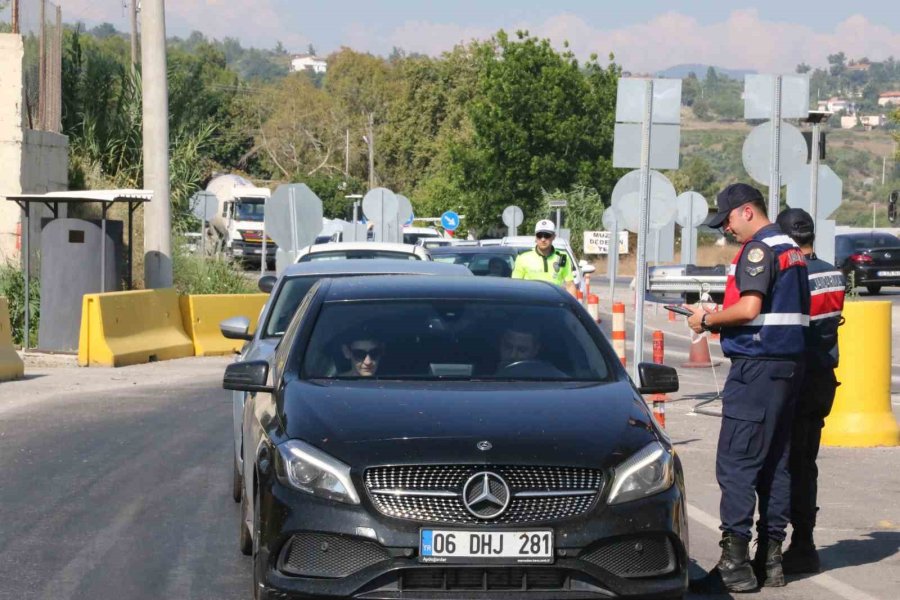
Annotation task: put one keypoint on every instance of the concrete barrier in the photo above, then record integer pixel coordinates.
(862, 415)
(11, 366)
(201, 316)
(128, 328)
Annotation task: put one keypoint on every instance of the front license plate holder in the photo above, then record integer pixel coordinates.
(889, 273)
(486, 547)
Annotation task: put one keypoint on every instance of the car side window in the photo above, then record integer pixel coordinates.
(287, 340)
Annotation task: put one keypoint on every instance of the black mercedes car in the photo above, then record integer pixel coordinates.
(428, 437)
(868, 259)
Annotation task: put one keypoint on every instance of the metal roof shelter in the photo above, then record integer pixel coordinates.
(52, 200)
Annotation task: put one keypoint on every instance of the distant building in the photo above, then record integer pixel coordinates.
(868, 122)
(836, 105)
(308, 62)
(892, 98)
(861, 66)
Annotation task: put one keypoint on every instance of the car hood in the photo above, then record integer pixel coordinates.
(362, 424)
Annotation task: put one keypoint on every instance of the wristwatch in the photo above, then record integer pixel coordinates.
(703, 324)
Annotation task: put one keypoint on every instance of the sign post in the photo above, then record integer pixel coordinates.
(512, 218)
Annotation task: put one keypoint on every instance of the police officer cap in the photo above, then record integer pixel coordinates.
(794, 221)
(545, 226)
(735, 195)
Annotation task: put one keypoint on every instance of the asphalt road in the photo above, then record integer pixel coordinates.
(115, 484)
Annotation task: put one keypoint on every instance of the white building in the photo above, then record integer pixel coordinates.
(867, 121)
(836, 105)
(886, 98)
(308, 62)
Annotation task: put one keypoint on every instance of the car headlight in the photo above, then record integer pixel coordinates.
(310, 470)
(649, 471)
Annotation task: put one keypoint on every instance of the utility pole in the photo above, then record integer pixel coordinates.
(155, 89)
(134, 35)
(15, 16)
(370, 131)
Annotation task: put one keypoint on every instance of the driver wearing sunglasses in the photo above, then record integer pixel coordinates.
(364, 355)
(545, 263)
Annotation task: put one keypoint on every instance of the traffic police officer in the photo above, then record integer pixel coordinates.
(826, 288)
(763, 326)
(545, 263)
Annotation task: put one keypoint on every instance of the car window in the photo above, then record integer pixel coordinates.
(453, 339)
(354, 254)
(483, 264)
(285, 304)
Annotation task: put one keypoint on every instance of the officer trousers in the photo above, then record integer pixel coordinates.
(816, 397)
(754, 443)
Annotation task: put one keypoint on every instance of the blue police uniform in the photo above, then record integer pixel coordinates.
(759, 394)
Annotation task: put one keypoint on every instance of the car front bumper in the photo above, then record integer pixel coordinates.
(637, 549)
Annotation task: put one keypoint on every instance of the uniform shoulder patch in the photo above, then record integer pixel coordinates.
(754, 271)
(755, 255)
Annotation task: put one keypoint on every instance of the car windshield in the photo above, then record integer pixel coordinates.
(436, 339)
(249, 210)
(353, 254)
(876, 241)
(490, 264)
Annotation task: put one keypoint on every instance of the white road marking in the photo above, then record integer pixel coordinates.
(847, 592)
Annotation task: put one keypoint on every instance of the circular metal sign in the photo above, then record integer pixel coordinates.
(404, 210)
(513, 216)
(380, 205)
(627, 202)
(609, 219)
(690, 209)
(757, 152)
(293, 216)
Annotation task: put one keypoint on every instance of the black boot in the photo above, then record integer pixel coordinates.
(768, 563)
(733, 573)
(800, 558)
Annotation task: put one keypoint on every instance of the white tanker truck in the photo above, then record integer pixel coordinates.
(238, 223)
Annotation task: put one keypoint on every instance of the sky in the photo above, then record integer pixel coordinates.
(645, 35)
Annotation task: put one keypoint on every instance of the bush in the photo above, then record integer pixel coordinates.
(12, 286)
(195, 274)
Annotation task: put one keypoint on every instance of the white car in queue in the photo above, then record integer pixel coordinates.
(526, 242)
(286, 292)
(357, 250)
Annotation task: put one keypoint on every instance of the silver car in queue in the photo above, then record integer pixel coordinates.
(285, 294)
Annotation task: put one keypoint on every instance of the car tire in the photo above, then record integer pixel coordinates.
(245, 541)
(873, 289)
(259, 593)
(237, 482)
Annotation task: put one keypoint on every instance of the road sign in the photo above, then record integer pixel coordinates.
(597, 242)
(759, 96)
(691, 211)
(664, 151)
(829, 193)
(512, 218)
(661, 243)
(560, 203)
(626, 201)
(404, 210)
(450, 220)
(204, 205)
(293, 216)
(666, 100)
(757, 152)
(380, 205)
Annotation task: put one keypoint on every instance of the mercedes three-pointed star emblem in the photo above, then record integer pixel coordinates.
(486, 495)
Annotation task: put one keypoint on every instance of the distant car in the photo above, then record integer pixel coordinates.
(495, 261)
(430, 243)
(523, 243)
(412, 235)
(425, 437)
(868, 259)
(490, 242)
(285, 294)
(354, 250)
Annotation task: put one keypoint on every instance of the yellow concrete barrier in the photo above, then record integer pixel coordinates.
(128, 328)
(11, 366)
(862, 415)
(202, 314)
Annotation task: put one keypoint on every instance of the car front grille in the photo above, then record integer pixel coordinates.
(645, 556)
(326, 555)
(484, 579)
(433, 493)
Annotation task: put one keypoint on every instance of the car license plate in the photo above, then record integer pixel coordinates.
(889, 273)
(469, 546)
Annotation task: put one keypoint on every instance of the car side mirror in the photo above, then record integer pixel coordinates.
(266, 283)
(236, 328)
(586, 267)
(251, 376)
(657, 379)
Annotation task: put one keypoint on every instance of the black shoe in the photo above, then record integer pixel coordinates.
(768, 564)
(734, 573)
(799, 559)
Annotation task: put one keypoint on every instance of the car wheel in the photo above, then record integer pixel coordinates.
(873, 289)
(245, 541)
(237, 482)
(259, 593)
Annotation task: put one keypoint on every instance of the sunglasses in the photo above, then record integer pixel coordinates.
(360, 354)
(543, 236)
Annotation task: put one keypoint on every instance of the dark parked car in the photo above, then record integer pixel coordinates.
(868, 259)
(426, 437)
(493, 261)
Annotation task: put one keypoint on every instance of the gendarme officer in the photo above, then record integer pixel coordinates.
(546, 263)
(763, 325)
(826, 289)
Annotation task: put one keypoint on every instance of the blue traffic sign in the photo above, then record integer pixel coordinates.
(450, 220)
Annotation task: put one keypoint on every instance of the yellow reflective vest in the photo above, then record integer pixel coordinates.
(555, 268)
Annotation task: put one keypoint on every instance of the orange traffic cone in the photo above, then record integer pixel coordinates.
(593, 304)
(699, 357)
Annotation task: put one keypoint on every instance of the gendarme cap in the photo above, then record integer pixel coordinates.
(735, 195)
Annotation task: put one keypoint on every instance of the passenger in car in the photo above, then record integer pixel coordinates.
(518, 344)
(497, 267)
(365, 354)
